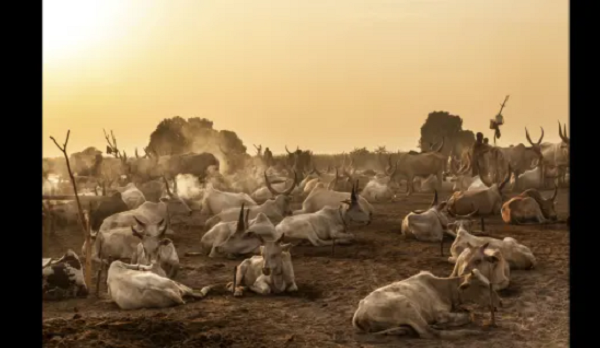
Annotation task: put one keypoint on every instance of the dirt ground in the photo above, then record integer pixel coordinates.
(535, 311)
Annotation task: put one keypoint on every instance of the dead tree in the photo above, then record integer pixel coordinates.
(81, 216)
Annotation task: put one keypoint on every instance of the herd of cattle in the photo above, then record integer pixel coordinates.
(131, 224)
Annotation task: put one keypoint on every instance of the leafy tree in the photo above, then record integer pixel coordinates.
(442, 125)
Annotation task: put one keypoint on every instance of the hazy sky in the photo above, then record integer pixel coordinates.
(328, 75)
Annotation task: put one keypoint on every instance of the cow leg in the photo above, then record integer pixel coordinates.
(260, 286)
(292, 287)
(482, 223)
(316, 241)
(98, 277)
(239, 275)
(516, 185)
(450, 320)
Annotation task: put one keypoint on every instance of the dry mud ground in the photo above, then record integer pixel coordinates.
(535, 312)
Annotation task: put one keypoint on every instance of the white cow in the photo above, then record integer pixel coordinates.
(154, 248)
(428, 226)
(237, 237)
(270, 273)
(326, 226)
(379, 189)
(421, 301)
(320, 197)
(134, 286)
(215, 201)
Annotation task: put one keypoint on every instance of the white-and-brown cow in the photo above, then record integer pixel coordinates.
(489, 261)
(517, 255)
(530, 207)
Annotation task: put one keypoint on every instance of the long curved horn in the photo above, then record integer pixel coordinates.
(291, 188)
(439, 149)
(560, 133)
(501, 186)
(528, 137)
(541, 136)
(288, 151)
(353, 193)
(468, 216)
(268, 183)
(240, 225)
(435, 198)
(555, 194)
(564, 136)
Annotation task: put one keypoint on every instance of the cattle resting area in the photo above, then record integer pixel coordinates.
(331, 282)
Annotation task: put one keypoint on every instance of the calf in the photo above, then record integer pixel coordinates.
(423, 300)
(326, 225)
(133, 286)
(489, 261)
(517, 255)
(270, 273)
(63, 278)
(530, 207)
(379, 189)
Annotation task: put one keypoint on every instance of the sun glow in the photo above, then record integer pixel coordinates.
(72, 27)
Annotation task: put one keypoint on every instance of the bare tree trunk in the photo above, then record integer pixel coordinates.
(84, 225)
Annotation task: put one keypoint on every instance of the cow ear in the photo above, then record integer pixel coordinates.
(465, 284)
(136, 233)
(286, 247)
(451, 226)
(262, 250)
(493, 257)
(166, 241)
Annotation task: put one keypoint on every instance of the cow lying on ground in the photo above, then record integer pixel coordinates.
(274, 208)
(154, 248)
(240, 237)
(517, 255)
(416, 303)
(326, 226)
(530, 207)
(379, 189)
(429, 225)
(215, 201)
(134, 286)
(320, 197)
(270, 273)
(487, 260)
(63, 278)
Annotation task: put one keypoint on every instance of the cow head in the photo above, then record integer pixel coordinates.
(462, 222)
(475, 288)
(547, 206)
(285, 195)
(246, 238)
(536, 146)
(355, 212)
(272, 254)
(152, 236)
(341, 183)
(488, 261)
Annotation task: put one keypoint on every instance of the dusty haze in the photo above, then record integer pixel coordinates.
(327, 75)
